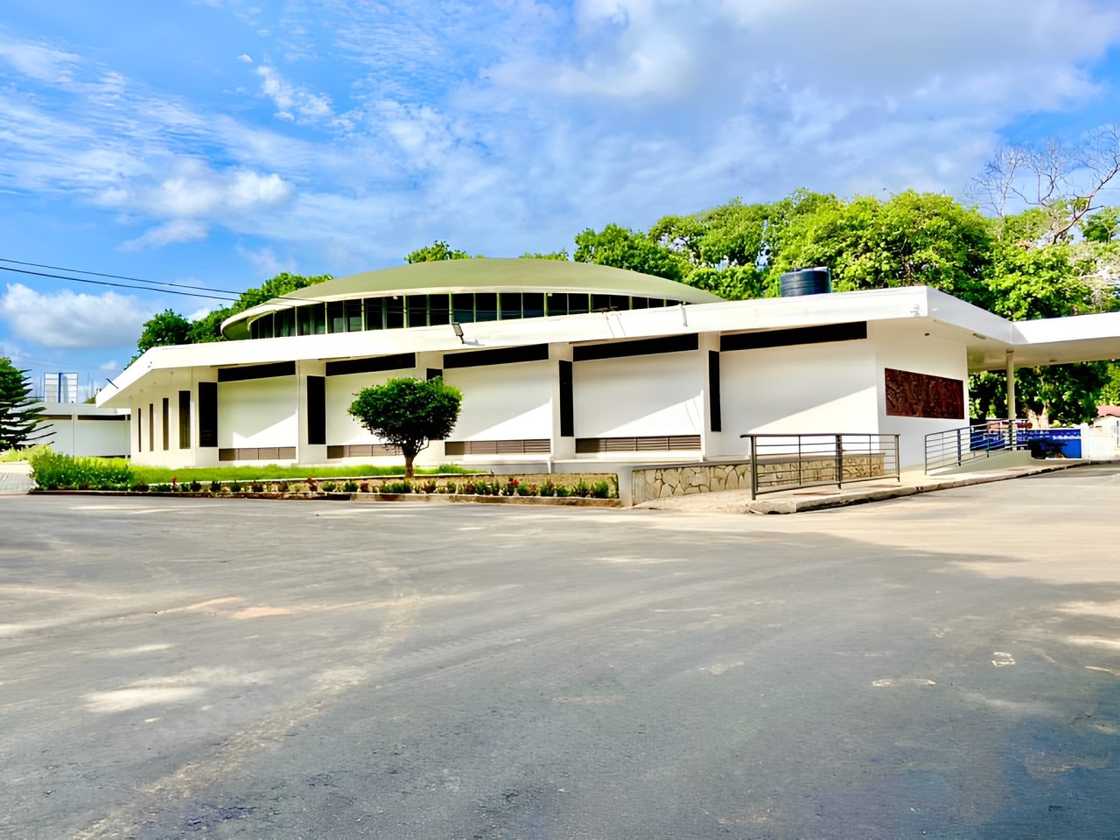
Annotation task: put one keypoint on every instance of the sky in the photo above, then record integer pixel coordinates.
(218, 142)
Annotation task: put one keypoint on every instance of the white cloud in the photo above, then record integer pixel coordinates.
(245, 58)
(67, 319)
(199, 314)
(38, 61)
(291, 99)
(168, 233)
(110, 366)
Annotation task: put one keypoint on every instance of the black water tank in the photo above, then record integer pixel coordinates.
(806, 281)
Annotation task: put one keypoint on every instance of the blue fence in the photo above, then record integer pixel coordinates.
(1070, 439)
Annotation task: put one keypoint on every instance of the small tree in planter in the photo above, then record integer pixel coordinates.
(408, 413)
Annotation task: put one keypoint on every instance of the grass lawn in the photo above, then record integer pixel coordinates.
(10, 456)
(162, 475)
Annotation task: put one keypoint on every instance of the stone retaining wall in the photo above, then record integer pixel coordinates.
(648, 483)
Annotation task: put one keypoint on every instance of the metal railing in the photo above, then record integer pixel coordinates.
(795, 461)
(956, 447)
(963, 445)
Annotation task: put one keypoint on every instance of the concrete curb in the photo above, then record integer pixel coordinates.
(881, 494)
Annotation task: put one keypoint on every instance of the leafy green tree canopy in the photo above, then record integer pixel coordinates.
(621, 247)
(437, 251)
(408, 413)
(163, 328)
(20, 414)
(561, 255)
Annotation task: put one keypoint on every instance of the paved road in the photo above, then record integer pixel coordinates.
(945, 666)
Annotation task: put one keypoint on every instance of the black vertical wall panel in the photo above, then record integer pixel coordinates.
(208, 414)
(713, 391)
(316, 409)
(567, 407)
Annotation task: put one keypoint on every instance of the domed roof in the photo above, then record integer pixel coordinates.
(479, 274)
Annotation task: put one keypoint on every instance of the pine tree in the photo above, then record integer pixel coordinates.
(20, 413)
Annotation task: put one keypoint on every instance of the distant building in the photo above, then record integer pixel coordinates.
(60, 387)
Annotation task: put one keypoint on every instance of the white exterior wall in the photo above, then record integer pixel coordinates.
(906, 347)
(341, 427)
(660, 394)
(805, 388)
(504, 402)
(74, 435)
(257, 412)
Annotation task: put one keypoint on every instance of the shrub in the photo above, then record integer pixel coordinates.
(511, 487)
(215, 487)
(581, 489)
(364, 486)
(601, 490)
(548, 488)
(235, 487)
(257, 487)
(54, 471)
(562, 491)
(161, 488)
(139, 487)
(281, 487)
(470, 488)
(396, 487)
(449, 488)
(428, 486)
(196, 486)
(350, 487)
(526, 489)
(329, 486)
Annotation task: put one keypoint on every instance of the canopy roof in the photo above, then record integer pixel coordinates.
(480, 274)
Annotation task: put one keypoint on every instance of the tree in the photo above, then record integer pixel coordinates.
(408, 413)
(1063, 182)
(623, 248)
(1102, 226)
(163, 328)
(20, 413)
(911, 239)
(561, 255)
(437, 251)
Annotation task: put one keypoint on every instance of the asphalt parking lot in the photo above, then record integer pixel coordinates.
(942, 666)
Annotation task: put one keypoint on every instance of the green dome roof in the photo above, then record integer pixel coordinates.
(477, 275)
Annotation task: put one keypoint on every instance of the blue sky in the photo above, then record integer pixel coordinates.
(217, 142)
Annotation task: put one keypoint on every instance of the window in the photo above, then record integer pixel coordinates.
(312, 319)
(577, 304)
(263, 327)
(609, 303)
(353, 315)
(486, 306)
(418, 310)
(284, 323)
(336, 316)
(394, 312)
(438, 309)
(464, 307)
(511, 305)
(184, 419)
(375, 314)
(656, 302)
(639, 303)
(532, 304)
(557, 303)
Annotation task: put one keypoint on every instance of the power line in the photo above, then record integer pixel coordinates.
(156, 283)
(114, 285)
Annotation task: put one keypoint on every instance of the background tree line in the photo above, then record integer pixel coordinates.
(1058, 254)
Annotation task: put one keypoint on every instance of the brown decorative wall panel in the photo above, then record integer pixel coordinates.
(497, 447)
(921, 395)
(361, 450)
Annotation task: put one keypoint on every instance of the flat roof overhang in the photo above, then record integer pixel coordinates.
(987, 337)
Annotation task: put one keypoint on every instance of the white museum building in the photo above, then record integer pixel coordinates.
(564, 363)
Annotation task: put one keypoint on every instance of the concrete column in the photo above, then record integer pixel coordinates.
(425, 362)
(563, 447)
(1011, 396)
(711, 442)
(307, 453)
